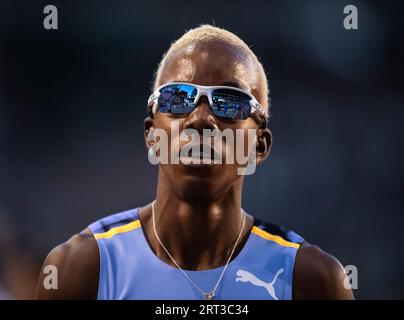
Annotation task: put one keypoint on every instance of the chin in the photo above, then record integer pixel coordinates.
(201, 183)
(200, 171)
(198, 193)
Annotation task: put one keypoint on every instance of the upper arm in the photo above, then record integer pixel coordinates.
(318, 275)
(77, 266)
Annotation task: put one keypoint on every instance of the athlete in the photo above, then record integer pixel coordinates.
(194, 241)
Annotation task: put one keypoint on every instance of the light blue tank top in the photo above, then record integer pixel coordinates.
(129, 269)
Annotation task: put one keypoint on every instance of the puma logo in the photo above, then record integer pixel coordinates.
(245, 276)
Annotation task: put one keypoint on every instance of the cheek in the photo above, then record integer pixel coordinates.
(172, 126)
(244, 142)
(167, 129)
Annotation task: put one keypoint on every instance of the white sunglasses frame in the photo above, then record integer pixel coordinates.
(207, 92)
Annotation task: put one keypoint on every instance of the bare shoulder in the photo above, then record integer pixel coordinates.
(77, 265)
(318, 275)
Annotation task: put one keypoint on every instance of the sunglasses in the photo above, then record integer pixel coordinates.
(180, 98)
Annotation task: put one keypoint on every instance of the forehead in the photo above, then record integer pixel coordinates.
(212, 62)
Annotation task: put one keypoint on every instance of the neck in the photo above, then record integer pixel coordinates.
(198, 234)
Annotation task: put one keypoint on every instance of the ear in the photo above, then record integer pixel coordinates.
(148, 128)
(264, 143)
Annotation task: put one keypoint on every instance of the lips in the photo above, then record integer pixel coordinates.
(198, 154)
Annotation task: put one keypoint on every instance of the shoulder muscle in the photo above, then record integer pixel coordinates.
(77, 265)
(318, 275)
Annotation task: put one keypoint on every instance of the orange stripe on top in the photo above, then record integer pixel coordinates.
(121, 229)
(279, 240)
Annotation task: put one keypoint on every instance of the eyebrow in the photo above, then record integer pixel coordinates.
(232, 84)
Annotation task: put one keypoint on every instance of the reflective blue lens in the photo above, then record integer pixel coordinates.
(177, 99)
(231, 104)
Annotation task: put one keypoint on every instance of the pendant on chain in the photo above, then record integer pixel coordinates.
(209, 296)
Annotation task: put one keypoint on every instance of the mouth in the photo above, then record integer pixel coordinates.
(198, 154)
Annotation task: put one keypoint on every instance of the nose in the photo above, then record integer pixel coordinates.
(201, 117)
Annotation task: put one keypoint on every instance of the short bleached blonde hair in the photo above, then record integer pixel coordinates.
(208, 32)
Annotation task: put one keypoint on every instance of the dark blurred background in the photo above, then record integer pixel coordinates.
(72, 103)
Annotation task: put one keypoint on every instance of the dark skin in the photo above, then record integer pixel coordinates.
(202, 204)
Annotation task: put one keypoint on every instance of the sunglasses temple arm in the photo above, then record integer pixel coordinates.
(259, 110)
(151, 102)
